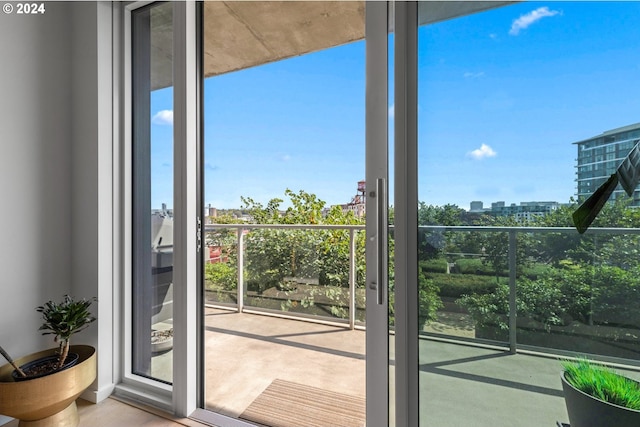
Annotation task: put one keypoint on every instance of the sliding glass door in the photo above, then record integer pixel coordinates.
(523, 111)
(295, 326)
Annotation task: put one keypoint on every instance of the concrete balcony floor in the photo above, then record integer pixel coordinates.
(460, 385)
(246, 352)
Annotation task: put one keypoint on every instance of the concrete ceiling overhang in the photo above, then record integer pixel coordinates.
(243, 34)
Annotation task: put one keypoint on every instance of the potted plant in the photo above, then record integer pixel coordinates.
(41, 389)
(61, 320)
(597, 396)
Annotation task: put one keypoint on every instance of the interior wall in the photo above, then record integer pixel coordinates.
(35, 191)
(35, 249)
(92, 180)
(56, 174)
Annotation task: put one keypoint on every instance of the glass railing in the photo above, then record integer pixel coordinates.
(522, 288)
(311, 271)
(540, 289)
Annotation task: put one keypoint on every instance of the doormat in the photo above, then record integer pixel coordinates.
(287, 404)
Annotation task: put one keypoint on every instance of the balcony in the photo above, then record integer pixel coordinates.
(501, 341)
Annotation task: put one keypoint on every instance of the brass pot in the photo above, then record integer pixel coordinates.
(48, 401)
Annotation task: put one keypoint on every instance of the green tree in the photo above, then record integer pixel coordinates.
(433, 244)
(275, 254)
(495, 245)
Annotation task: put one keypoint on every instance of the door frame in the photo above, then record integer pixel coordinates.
(376, 228)
(407, 398)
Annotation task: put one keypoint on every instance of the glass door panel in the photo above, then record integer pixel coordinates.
(284, 205)
(152, 155)
(512, 106)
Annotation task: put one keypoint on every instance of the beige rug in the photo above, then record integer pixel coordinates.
(287, 404)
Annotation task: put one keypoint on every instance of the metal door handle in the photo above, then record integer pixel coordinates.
(382, 267)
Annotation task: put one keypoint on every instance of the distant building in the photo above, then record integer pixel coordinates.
(163, 212)
(357, 204)
(600, 156)
(358, 209)
(525, 210)
(476, 206)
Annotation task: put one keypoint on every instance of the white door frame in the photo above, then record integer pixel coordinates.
(407, 399)
(376, 177)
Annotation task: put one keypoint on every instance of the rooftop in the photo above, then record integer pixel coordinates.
(612, 132)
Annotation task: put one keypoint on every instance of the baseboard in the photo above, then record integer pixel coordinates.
(97, 396)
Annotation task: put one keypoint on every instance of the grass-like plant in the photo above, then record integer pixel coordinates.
(602, 383)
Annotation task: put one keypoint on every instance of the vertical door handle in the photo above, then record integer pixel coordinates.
(199, 235)
(382, 267)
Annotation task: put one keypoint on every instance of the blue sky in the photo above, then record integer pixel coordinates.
(502, 95)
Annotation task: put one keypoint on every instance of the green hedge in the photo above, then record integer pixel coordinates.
(473, 266)
(456, 285)
(433, 265)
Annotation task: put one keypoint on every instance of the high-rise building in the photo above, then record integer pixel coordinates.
(476, 206)
(600, 156)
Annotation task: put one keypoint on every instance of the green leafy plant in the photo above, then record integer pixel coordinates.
(602, 383)
(65, 319)
(429, 301)
(221, 275)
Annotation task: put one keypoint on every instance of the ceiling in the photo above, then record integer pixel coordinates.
(243, 34)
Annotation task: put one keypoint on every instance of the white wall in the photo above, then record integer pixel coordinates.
(35, 191)
(91, 179)
(56, 174)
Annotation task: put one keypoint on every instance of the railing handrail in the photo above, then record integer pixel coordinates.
(592, 230)
(212, 227)
(527, 229)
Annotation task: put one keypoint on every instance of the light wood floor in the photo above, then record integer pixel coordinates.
(115, 413)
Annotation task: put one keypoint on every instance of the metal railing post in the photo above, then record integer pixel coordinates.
(240, 266)
(512, 292)
(352, 279)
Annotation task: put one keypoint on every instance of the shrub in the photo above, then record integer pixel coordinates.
(222, 275)
(539, 300)
(488, 309)
(604, 295)
(434, 265)
(474, 266)
(536, 271)
(428, 301)
(457, 285)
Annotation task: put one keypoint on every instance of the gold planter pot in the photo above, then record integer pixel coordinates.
(49, 401)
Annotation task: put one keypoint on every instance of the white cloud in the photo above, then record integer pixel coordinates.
(164, 117)
(392, 111)
(482, 152)
(525, 20)
(493, 36)
(470, 75)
